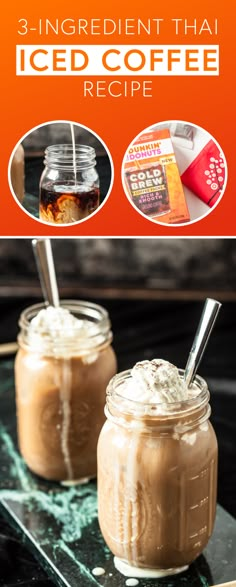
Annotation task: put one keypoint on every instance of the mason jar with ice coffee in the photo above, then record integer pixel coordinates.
(157, 470)
(62, 368)
(69, 185)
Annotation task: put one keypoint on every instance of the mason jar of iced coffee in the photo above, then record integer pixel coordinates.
(69, 185)
(64, 363)
(157, 470)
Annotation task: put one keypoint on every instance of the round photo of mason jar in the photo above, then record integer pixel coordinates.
(60, 173)
(174, 173)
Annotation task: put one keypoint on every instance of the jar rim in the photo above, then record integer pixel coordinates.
(96, 311)
(64, 157)
(154, 409)
(98, 335)
(82, 150)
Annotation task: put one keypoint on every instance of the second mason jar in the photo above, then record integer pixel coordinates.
(157, 476)
(61, 378)
(69, 185)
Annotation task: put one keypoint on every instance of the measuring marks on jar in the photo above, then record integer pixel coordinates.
(198, 497)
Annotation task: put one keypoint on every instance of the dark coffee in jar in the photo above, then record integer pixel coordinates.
(67, 203)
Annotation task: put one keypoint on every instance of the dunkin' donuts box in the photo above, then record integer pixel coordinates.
(152, 178)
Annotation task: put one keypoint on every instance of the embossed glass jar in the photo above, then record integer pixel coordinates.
(157, 480)
(60, 393)
(69, 185)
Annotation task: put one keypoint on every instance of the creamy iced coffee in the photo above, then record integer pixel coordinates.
(157, 470)
(62, 369)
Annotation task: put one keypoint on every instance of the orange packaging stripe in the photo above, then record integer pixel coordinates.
(178, 207)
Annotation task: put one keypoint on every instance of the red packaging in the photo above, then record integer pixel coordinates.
(205, 176)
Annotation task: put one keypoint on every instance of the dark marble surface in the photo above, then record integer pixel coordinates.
(60, 525)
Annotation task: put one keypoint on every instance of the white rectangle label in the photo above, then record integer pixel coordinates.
(117, 60)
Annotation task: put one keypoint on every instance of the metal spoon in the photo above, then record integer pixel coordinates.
(207, 321)
(46, 270)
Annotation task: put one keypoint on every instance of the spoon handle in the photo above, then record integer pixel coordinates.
(207, 321)
(45, 265)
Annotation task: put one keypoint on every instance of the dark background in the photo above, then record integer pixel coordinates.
(154, 290)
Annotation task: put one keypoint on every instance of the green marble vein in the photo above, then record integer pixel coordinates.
(18, 468)
(73, 509)
(204, 581)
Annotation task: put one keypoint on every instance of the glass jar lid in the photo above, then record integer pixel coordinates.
(65, 158)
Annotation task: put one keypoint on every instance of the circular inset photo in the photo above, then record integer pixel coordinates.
(60, 173)
(174, 173)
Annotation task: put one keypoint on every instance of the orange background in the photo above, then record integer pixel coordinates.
(206, 101)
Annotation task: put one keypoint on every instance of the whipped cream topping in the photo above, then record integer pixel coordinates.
(57, 331)
(59, 322)
(155, 381)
